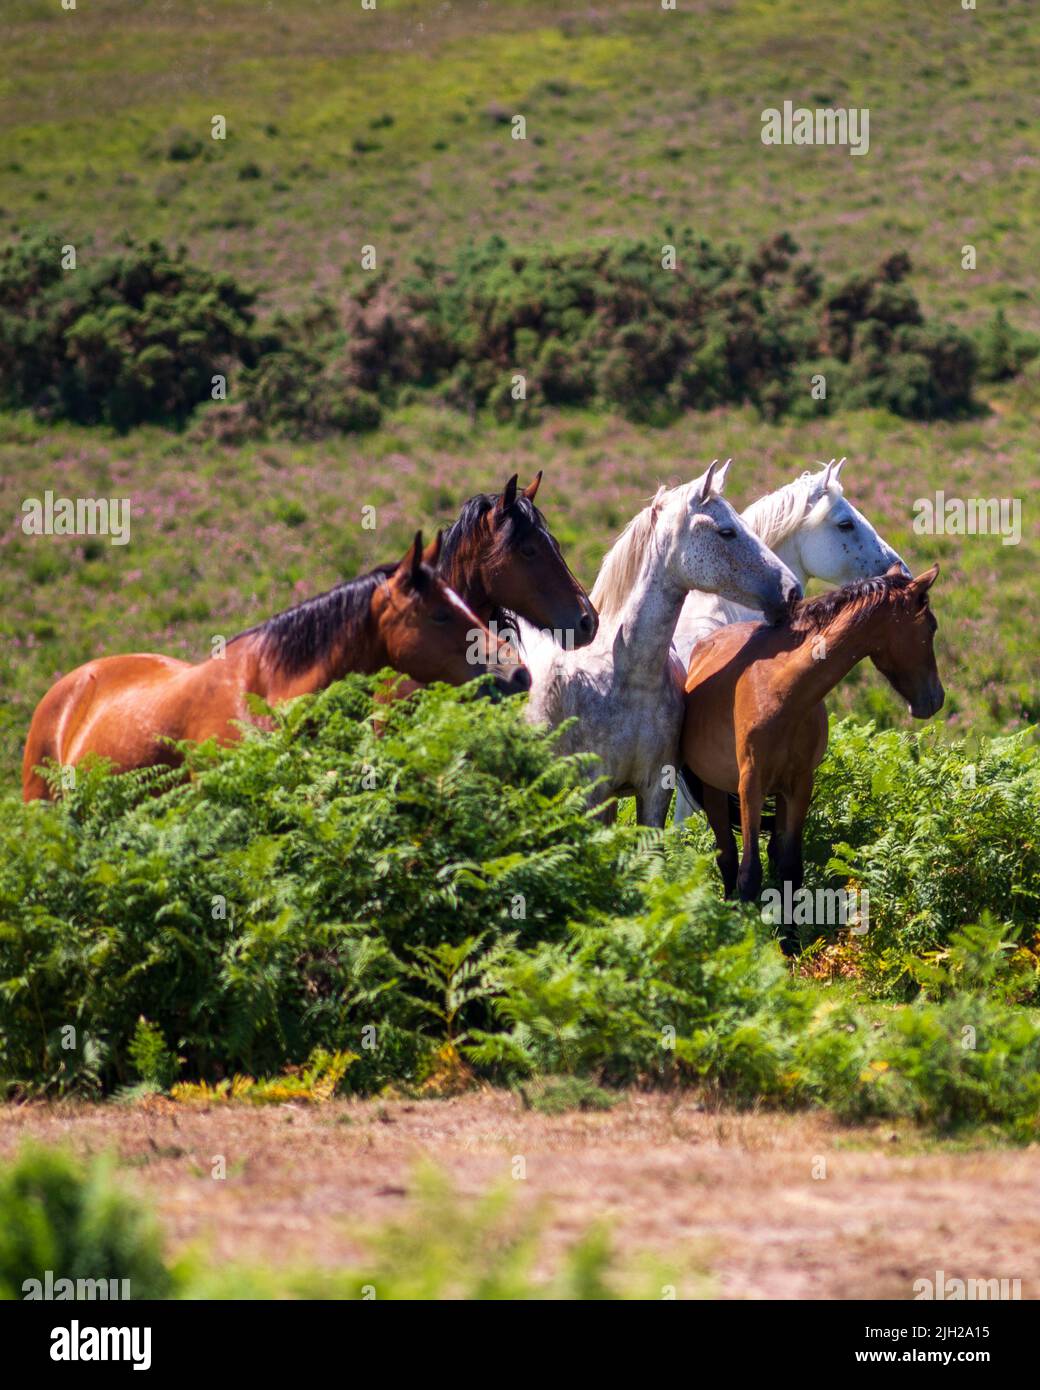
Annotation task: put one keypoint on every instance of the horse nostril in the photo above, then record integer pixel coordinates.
(585, 622)
(521, 678)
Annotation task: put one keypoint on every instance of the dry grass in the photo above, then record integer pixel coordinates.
(732, 1192)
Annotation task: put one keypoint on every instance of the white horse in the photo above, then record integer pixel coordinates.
(818, 534)
(625, 688)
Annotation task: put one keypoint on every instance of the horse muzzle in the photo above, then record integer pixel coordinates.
(930, 704)
(516, 680)
(778, 608)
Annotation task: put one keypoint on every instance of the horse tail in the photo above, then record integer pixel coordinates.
(688, 795)
(691, 791)
(58, 718)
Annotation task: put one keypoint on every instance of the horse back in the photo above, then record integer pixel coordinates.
(92, 709)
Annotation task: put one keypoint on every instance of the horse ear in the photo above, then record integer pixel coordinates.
(508, 497)
(702, 487)
(432, 553)
(924, 582)
(832, 472)
(411, 565)
(531, 489)
(895, 571)
(656, 503)
(719, 481)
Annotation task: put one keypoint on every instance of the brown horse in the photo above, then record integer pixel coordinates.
(502, 559)
(127, 708)
(755, 722)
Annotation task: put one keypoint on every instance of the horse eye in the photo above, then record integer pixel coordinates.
(528, 552)
(846, 525)
(727, 532)
(441, 616)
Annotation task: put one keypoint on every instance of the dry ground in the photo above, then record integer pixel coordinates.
(732, 1193)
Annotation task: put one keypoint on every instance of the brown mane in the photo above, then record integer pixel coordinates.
(860, 598)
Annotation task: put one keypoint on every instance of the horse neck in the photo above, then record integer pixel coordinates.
(777, 519)
(642, 635)
(827, 656)
(362, 652)
(788, 551)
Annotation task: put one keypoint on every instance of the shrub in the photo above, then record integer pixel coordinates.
(276, 902)
(609, 325)
(291, 392)
(684, 988)
(938, 833)
(416, 893)
(77, 1224)
(121, 339)
(139, 336)
(1003, 350)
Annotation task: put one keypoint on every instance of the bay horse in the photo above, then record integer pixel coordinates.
(755, 724)
(812, 526)
(127, 708)
(501, 558)
(624, 690)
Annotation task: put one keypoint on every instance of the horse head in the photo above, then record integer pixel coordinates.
(430, 634)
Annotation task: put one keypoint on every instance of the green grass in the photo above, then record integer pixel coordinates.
(637, 117)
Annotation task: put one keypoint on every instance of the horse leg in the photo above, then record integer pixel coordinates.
(652, 805)
(716, 808)
(749, 877)
(789, 865)
(776, 838)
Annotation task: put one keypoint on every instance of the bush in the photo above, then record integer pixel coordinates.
(684, 988)
(1003, 351)
(276, 903)
(78, 1225)
(937, 833)
(413, 894)
(140, 335)
(609, 325)
(291, 392)
(122, 339)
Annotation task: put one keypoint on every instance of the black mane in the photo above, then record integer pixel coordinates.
(297, 638)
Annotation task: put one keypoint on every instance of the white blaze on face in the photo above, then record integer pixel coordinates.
(452, 597)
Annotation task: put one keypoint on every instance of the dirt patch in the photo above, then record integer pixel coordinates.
(773, 1206)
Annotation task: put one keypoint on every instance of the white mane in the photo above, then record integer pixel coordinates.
(623, 562)
(779, 514)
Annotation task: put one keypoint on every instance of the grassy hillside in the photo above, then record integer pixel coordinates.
(386, 128)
